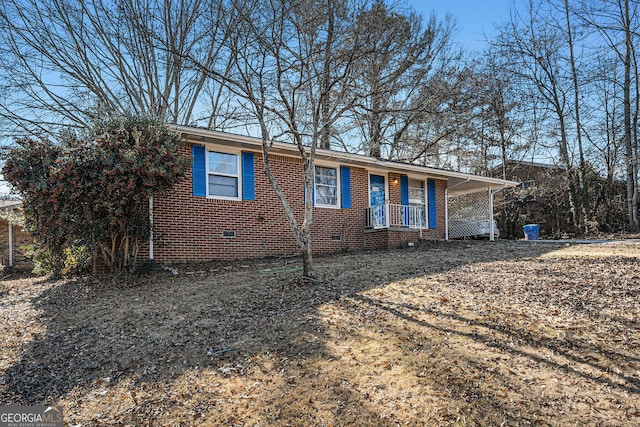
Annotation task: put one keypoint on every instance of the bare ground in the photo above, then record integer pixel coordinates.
(478, 333)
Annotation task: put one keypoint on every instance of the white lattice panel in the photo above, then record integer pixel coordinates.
(469, 215)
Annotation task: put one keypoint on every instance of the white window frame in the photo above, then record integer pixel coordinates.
(425, 198)
(338, 187)
(238, 155)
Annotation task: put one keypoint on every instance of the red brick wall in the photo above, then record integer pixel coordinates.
(20, 239)
(189, 228)
(395, 195)
(390, 238)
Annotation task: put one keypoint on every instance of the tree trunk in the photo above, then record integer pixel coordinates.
(503, 152)
(375, 135)
(564, 158)
(307, 262)
(634, 127)
(302, 233)
(582, 182)
(325, 131)
(628, 146)
(305, 238)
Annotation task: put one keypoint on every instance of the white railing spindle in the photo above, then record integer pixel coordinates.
(391, 215)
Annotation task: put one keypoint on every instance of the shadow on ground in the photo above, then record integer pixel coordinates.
(152, 329)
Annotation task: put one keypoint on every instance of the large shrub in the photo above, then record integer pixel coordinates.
(94, 190)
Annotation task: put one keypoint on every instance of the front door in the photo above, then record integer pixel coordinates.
(377, 198)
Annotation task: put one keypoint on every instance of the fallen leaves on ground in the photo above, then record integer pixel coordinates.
(449, 333)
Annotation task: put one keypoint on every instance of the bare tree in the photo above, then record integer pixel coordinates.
(63, 62)
(618, 24)
(535, 45)
(492, 123)
(582, 168)
(294, 62)
(602, 131)
(403, 55)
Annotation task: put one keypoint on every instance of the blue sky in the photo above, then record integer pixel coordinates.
(474, 17)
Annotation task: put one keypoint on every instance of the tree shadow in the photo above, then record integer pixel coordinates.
(152, 329)
(516, 341)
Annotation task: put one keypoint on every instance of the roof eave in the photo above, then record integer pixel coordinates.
(474, 182)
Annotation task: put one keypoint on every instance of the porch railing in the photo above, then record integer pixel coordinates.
(396, 216)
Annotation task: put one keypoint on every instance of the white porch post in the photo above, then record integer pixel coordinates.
(10, 244)
(491, 230)
(387, 211)
(151, 227)
(446, 214)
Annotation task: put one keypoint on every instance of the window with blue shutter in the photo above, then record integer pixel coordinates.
(198, 171)
(431, 196)
(248, 176)
(345, 183)
(221, 175)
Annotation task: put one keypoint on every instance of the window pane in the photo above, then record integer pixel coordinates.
(223, 163)
(414, 183)
(416, 195)
(326, 180)
(326, 195)
(326, 176)
(416, 192)
(330, 172)
(224, 186)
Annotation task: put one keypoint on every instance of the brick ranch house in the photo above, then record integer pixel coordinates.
(225, 208)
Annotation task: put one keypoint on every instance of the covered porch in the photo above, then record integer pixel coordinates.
(435, 205)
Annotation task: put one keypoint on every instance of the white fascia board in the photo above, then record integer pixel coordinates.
(372, 163)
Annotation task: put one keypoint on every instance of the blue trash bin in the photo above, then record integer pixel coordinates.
(531, 231)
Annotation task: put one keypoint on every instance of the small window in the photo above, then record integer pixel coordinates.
(326, 186)
(223, 178)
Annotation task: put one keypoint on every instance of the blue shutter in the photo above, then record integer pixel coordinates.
(248, 177)
(431, 196)
(404, 199)
(198, 171)
(404, 190)
(345, 186)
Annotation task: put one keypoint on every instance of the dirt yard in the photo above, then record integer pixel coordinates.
(450, 333)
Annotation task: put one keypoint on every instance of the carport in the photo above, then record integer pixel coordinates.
(469, 206)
